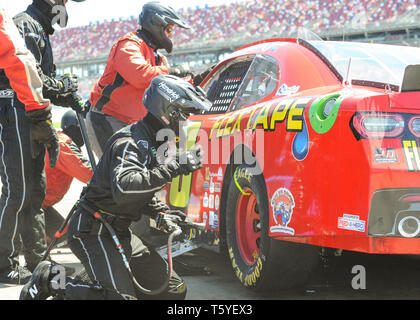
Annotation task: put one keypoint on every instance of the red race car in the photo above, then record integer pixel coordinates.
(309, 144)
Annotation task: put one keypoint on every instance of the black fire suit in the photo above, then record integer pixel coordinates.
(23, 178)
(123, 186)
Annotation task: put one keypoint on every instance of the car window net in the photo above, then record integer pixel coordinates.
(223, 89)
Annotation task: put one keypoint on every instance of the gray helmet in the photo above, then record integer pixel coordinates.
(171, 99)
(70, 126)
(155, 17)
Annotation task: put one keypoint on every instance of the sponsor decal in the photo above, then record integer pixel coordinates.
(351, 222)
(168, 93)
(205, 200)
(207, 173)
(214, 220)
(211, 186)
(220, 174)
(285, 90)
(412, 155)
(216, 202)
(385, 155)
(264, 116)
(282, 204)
(206, 186)
(205, 217)
(211, 201)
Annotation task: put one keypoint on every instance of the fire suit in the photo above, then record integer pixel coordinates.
(123, 188)
(117, 98)
(22, 177)
(71, 164)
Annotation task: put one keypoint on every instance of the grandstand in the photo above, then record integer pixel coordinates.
(218, 30)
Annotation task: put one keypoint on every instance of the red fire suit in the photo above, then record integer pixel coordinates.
(71, 164)
(20, 66)
(131, 66)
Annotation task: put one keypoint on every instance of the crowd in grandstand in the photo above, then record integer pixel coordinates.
(244, 20)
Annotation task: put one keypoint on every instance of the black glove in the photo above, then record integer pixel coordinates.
(68, 83)
(180, 72)
(191, 160)
(74, 101)
(43, 133)
(86, 108)
(155, 207)
(198, 78)
(169, 221)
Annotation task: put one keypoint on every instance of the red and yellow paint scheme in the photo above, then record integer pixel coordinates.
(334, 128)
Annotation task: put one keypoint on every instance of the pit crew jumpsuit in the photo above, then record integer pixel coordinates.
(71, 164)
(117, 97)
(122, 188)
(23, 178)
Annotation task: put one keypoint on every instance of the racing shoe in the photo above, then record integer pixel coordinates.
(38, 286)
(15, 275)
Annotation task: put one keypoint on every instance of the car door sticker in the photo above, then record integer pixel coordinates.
(282, 204)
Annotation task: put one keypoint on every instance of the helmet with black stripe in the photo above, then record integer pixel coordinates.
(155, 18)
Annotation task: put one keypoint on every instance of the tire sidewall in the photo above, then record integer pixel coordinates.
(249, 275)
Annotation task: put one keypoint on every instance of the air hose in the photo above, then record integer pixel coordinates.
(176, 232)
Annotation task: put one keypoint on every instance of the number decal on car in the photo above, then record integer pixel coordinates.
(179, 193)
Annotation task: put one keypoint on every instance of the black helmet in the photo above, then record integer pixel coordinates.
(154, 18)
(171, 99)
(70, 126)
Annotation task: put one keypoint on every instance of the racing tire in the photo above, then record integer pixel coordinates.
(258, 261)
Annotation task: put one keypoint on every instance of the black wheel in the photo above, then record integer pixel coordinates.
(258, 261)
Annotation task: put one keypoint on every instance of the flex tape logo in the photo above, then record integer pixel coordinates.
(412, 155)
(264, 116)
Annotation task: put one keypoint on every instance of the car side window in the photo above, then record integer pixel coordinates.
(260, 81)
(242, 82)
